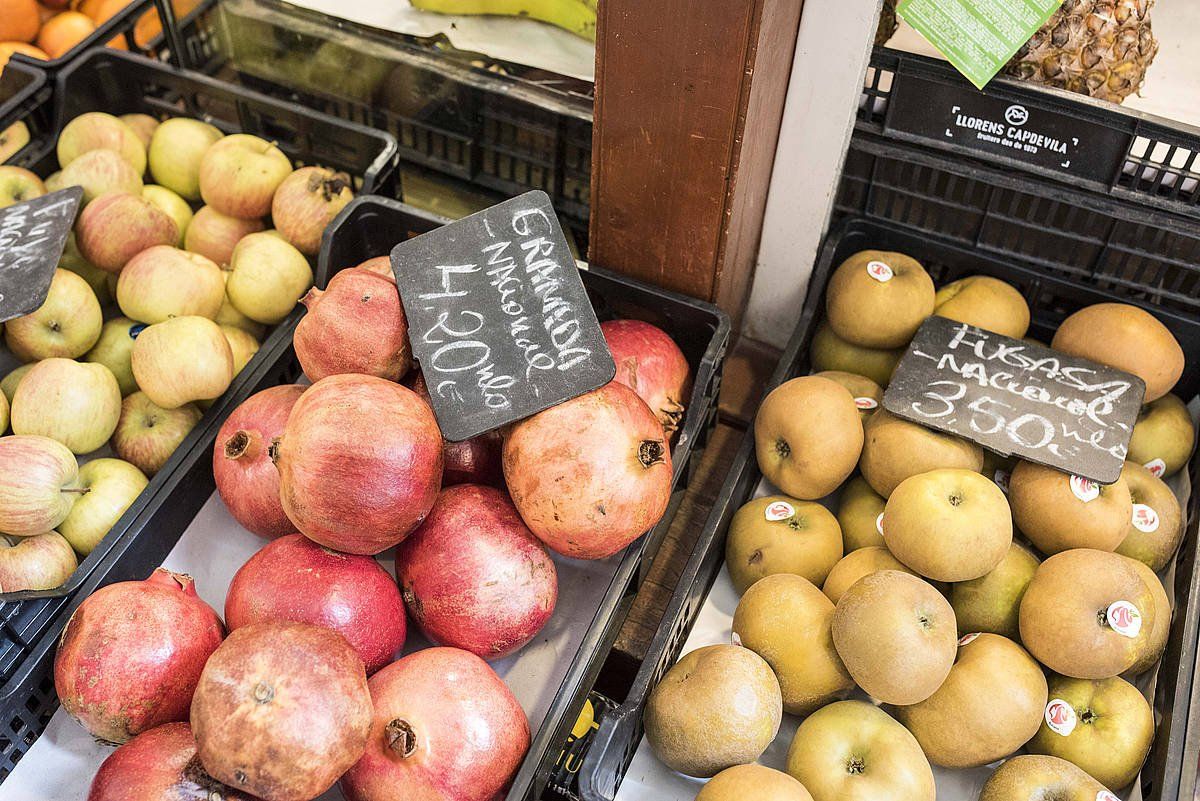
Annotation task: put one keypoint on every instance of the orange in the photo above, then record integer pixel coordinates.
(8, 48)
(64, 31)
(19, 20)
(45, 12)
(102, 10)
(148, 25)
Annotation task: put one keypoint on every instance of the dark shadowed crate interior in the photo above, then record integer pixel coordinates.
(112, 81)
(1170, 771)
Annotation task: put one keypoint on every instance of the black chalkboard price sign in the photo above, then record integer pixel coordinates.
(1015, 397)
(498, 316)
(32, 237)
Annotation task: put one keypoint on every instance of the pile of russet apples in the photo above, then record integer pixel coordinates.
(188, 275)
(306, 689)
(990, 608)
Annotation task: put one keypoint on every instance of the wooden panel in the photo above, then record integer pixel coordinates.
(675, 89)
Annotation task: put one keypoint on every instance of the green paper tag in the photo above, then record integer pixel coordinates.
(977, 36)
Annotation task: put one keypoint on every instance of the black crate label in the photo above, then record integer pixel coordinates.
(1015, 397)
(498, 317)
(958, 116)
(32, 237)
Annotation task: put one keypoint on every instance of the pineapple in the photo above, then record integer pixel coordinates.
(1099, 48)
(887, 22)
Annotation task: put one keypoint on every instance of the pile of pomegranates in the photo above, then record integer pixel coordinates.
(301, 687)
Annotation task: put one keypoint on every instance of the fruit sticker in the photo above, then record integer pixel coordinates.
(968, 638)
(736, 639)
(1105, 795)
(880, 271)
(1001, 478)
(1124, 618)
(1060, 717)
(1084, 488)
(1157, 467)
(780, 510)
(879, 524)
(866, 404)
(1145, 519)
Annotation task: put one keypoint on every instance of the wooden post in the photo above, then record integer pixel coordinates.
(689, 97)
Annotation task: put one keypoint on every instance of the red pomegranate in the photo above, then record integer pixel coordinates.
(652, 365)
(380, 265)
(474, 576)
(295, 579)
(445, 727)
(246, 477)
(356, 325)
(131, 655)
(159, 765)
(282, 710)
(360, 463)
(590, 475)
(472, 461)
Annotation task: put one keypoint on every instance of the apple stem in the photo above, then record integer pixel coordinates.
(80, 490)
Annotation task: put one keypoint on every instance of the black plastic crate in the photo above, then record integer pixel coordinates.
(109, 80)
(502, 126)
(22, 90)
(123, 26)
(1170, 771)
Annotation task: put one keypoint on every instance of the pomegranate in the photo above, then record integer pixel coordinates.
(356, 325)
(246, 477)
(360, 463)
(293, 578)
(131, 654)
(159, 765)
(500, 587)
(590, 475)
(472, 461)
(282, 709)
(445, 727)
(381, 265)
(652, 365)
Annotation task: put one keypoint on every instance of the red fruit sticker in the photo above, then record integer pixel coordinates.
(1105, 795)
(1157, 467)
(1001, 478)
(880, 271)
(1084, 488)
(779, 510)
(879, 524)
(866, 404)
(967, 638)
(1145, 519)
(1060, 717)
(1124, 618)
(736, 639)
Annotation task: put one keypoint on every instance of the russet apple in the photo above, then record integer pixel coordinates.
(859, 514)
(878, 299)
(1031, 777)
(100, 172)
(1156, 528)
(1163, 436)
(41, 562)
(112, 487)
(164, 282)
(18, 184)
(752, 781)
(267, 277)
(113, 350)
(992, 602)
(172, 205)
(240, 173)
(176, 148)
(182, 359)
(115, 227)
(76, 403)
(96, 130)
(148, 434)
(777, 534)
(67, 323)
(1125, 337)
(215, 235)
(984, 302)
(868, 396)
(306, 203)
(856, 564)
(1057, 511)
(895, 449)
(830, 352)
(1160, 628)
(38, 484)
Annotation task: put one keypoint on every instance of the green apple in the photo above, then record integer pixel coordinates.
(240, 173)
(8, 386)
(142, 124)
(176, 148)
(18, 184)
(12, 139)
(175, 207)
(242, 344)
(73, 402)
(100, 172)
(267, 278)
(1103, 726)
(96, 130)
(3, 414)
(182, 359)
(41, 562)
(164, 282)
(112, 487)
(229, 316)
(96, 278)
(148, 434)
(114, 349)
(38, 484)
(67, 324)
(215, 235)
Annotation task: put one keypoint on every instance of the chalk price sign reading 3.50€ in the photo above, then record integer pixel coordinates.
(1015, 397)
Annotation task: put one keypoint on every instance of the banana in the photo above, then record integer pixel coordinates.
(576, 16)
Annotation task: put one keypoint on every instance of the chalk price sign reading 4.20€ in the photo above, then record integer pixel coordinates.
(1015, 397)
